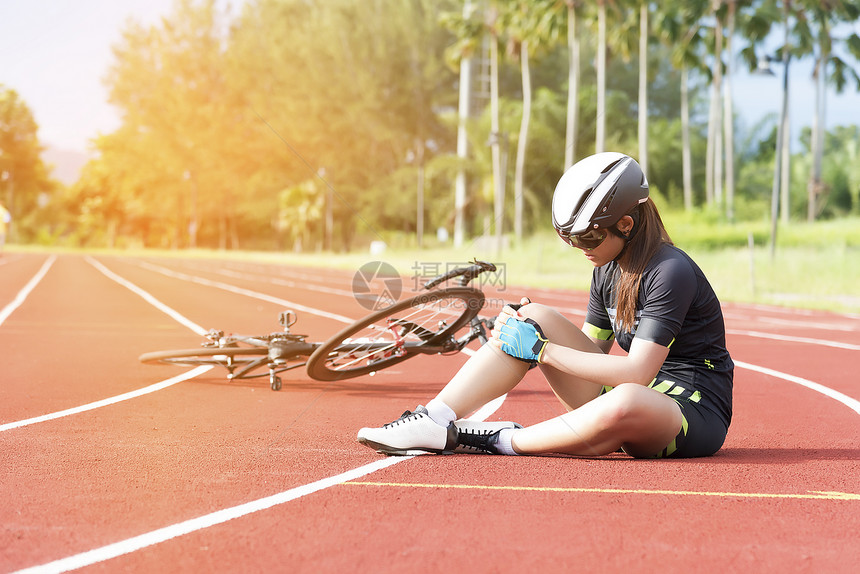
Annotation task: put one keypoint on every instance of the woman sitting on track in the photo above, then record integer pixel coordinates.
(670, 395)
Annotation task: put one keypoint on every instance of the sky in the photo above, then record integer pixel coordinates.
(55, 54)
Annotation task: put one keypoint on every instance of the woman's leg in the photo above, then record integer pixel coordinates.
(490, 373)
(572, 391)
(639, 419)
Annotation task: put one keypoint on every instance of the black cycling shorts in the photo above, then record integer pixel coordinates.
(702, 433)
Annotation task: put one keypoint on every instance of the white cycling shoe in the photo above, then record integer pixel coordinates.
(416, 433)
(413, 433)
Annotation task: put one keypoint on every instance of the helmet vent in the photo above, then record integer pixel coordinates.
(582, 201)
(609, 167)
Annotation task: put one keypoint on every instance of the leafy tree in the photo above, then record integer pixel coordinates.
(170, 84)
(24, 181)
(322, 123)
(347, 88)
(573, 8)
(828, 68)
(600, 138)
(839, 168)
(681, 31)
(532, 26)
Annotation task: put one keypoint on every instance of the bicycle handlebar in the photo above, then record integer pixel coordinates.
(465, 274)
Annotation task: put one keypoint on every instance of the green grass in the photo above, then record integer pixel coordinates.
(814, 266)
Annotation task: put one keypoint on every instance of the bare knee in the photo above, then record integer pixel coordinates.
(538, 312)
(622, 406)
(643, 419)
(632, 410)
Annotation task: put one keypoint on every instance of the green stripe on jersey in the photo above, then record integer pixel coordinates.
(597, 333)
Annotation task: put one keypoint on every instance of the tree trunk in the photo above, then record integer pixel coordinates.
(419, 200)
(462, 142)
(785, 178)
(643, 87)
(522, 141)
(600, 140)
(496, 141)
(729, 120)
(709, 150)
(818, 119)
(686, 152)
(572, 88)
(718, 109)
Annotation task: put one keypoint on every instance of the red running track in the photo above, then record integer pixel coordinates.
(206, 475)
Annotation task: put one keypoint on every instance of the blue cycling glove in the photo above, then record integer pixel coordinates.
(523, 340)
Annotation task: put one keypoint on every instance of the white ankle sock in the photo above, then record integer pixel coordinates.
(440, 413)
(505, 445)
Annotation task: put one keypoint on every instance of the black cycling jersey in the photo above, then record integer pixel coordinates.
(677, 308)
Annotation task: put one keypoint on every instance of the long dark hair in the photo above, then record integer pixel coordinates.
(647, 240)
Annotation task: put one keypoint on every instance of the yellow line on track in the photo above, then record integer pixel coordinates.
(813, 495)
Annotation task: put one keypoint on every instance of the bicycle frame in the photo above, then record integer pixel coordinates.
(245, 355)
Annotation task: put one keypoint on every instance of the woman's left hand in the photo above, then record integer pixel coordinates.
(517, 336)
(522, 340)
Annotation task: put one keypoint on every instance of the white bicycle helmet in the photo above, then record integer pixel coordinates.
(596, 192)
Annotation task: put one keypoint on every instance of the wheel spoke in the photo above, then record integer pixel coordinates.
(425, 323)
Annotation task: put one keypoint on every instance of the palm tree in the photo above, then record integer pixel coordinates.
(572, 7)
(767, 14)
(729, 113)
(801, 18)
(682, 31)
(751, 28)
(600, 138)
(714, 159)
(824, 15)
(468, 33)
(491, 24)
(634, 16)
(644, 35)
(530, 25)
(518, 25)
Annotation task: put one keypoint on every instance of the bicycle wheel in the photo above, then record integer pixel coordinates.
(425, 324)
(231, 358)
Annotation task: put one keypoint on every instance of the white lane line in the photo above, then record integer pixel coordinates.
(256, 295)
(285, 282)
(23, 293)
(169, 532)
(852, 404)
(220, 516)
(131, 394)
(108, 401)
(777, 310)
(842, 322)
(147, 297)
(792, 339)
(848, 326)
(247, 292)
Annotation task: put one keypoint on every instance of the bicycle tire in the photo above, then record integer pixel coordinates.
(206, 356)
(346, 355)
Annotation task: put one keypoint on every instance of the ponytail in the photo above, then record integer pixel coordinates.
(647, 240)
